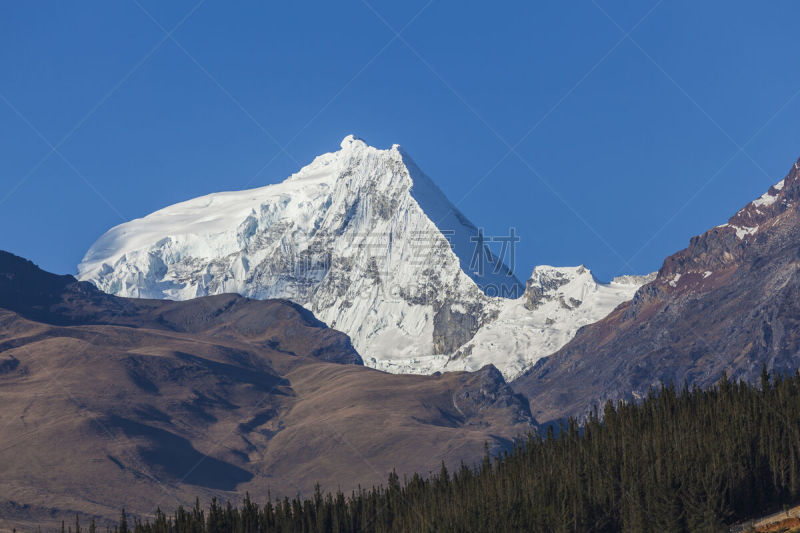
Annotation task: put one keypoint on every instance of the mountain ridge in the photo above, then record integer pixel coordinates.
(727, 303)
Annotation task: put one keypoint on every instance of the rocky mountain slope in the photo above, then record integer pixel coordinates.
(729, 302)
(111, 401)
(365, 240)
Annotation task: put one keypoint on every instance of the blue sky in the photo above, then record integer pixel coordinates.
(606, 133)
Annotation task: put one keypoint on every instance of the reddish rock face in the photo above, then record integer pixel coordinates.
(728, 302)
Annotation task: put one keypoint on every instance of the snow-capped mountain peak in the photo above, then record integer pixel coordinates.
(360, 236)
(365, 240)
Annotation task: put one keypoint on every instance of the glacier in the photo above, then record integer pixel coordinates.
(368, 243)
(558, 301)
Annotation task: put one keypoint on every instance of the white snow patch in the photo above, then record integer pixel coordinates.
(766, 199)
(743, 231)
(458, 308)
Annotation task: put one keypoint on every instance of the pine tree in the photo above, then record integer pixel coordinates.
(123, 523)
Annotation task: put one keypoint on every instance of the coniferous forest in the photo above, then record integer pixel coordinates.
(680, 460)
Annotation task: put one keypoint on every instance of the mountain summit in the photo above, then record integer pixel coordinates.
(360, 236)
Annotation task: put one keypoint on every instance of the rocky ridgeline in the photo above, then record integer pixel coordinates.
(729, 302)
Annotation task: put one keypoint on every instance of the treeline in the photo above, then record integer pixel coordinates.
(681, 460)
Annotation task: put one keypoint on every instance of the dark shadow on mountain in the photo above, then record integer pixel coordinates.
(261, 380)
(175, 457)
